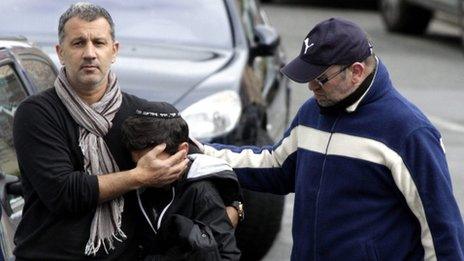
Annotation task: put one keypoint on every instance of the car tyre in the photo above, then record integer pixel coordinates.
(400, 16)
(263, 211)
(255, 237)
(261, 225)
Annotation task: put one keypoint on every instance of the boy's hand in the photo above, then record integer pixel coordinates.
(155, 172)
(232, 213)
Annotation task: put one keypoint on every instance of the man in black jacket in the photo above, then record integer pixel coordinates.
(185, 220)
(78, 179)
(75, 172)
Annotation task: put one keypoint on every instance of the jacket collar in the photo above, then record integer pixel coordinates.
(379, 86)
(355, 105)
(204, 166)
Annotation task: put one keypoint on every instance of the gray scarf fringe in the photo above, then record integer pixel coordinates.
(94, 123)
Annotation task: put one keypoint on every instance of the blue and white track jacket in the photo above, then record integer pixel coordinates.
(371, 183)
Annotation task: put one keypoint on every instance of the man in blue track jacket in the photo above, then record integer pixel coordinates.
(368, 169)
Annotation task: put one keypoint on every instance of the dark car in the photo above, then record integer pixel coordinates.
(24, 70)
(217, 61)
(413, 16)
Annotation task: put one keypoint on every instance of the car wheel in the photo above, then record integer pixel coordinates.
(263, 211)
(403, 17)
(257, 232)
(263, 216)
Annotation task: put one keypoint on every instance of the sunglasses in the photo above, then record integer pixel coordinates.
(323, 79)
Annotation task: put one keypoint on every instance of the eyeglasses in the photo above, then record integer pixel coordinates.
(323, 79)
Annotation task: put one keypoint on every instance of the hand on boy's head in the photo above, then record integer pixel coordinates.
(154, 171)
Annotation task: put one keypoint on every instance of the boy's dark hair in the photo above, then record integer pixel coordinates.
(152, 124)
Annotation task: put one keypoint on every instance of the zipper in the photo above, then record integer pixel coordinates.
(320, 184)
(145, 213)
(166, 208)
(159, 219)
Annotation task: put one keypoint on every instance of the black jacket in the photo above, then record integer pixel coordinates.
(60, 199)
(188, 221)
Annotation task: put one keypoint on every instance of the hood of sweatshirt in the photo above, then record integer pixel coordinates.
(208, 167)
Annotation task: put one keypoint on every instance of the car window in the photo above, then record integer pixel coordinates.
(245, 17)
(41, 73)
(184, 22)
(11, 94)
(250, 17)
(194, 23)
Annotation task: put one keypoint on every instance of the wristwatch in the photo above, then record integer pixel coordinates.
(239, 207)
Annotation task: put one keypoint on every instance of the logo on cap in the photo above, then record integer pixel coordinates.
(306, 42)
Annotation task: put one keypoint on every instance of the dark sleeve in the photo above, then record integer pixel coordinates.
(229, 190)
(46, 161)
(210, 209)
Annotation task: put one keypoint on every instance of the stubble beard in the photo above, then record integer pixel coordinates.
(90, 83)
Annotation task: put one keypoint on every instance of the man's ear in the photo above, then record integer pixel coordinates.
(183, 146)
(59, 52)
(115, 51)
(357, 71)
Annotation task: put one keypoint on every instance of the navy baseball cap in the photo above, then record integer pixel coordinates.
(333, 41)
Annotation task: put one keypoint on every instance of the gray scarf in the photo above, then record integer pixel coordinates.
(94, 123)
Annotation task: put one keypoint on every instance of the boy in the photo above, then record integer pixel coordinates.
(186, 220)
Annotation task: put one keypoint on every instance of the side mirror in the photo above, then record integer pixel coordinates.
(266, 41)
(15, 188)
(9, 186)
(11, 206)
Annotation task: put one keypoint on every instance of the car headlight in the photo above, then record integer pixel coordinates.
(214, 115)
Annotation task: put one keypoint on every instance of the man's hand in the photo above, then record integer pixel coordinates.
(150, 171)
(155, 172)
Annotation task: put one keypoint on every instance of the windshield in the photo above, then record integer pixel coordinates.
(196, 23)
